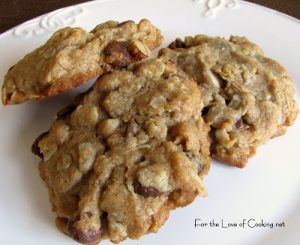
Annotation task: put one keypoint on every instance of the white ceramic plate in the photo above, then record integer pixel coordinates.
(268, 188)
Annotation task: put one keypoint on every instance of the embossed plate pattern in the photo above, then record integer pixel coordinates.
(268, 188)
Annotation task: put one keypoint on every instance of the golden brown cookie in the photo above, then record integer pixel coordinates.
(128, 151)
(247, 97)
(72, 56)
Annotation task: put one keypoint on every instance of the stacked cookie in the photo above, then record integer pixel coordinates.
(137, 144)
(247, 98)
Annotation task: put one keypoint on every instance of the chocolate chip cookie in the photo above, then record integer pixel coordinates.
(72, 56)
(127, 151)
(247, 98)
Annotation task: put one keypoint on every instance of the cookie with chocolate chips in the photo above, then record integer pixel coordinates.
(72, 56)
(247, 98)
(126, 153)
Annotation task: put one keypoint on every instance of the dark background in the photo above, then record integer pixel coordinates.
(14, 12)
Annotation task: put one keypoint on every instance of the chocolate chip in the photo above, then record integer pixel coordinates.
(62, 114)
(178, 43)
(239, 124)
(144, 191)
(35, 146)
(121, 53)
(88, 236)
(139, 50)
(117, 54)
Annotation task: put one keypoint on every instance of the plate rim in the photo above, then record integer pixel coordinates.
(255, 5)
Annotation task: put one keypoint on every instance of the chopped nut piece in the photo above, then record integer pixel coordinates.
(107, 127)
(47, 148)
(62, 133)
(139, 49)
(87, 156)
(93, 115)
(157, 102)
(64, 163)
(156, 176)
(156, 128)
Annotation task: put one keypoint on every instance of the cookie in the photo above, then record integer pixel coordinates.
(72, 56)
(126, 153)
(247, 98)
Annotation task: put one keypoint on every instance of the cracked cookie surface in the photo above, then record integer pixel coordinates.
(247, 98)
(72, 56)
(126, 153)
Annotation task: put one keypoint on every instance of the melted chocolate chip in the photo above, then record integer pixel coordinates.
(145, 191)
(116, 47)
(178, 43)
(88, 236)
(117, 53)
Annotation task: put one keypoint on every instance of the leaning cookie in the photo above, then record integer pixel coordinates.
(130, 149)
(247, 98)
(72, 56)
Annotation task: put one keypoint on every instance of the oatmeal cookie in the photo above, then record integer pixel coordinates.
(72, 56)
(247, 97)
(128, 151)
